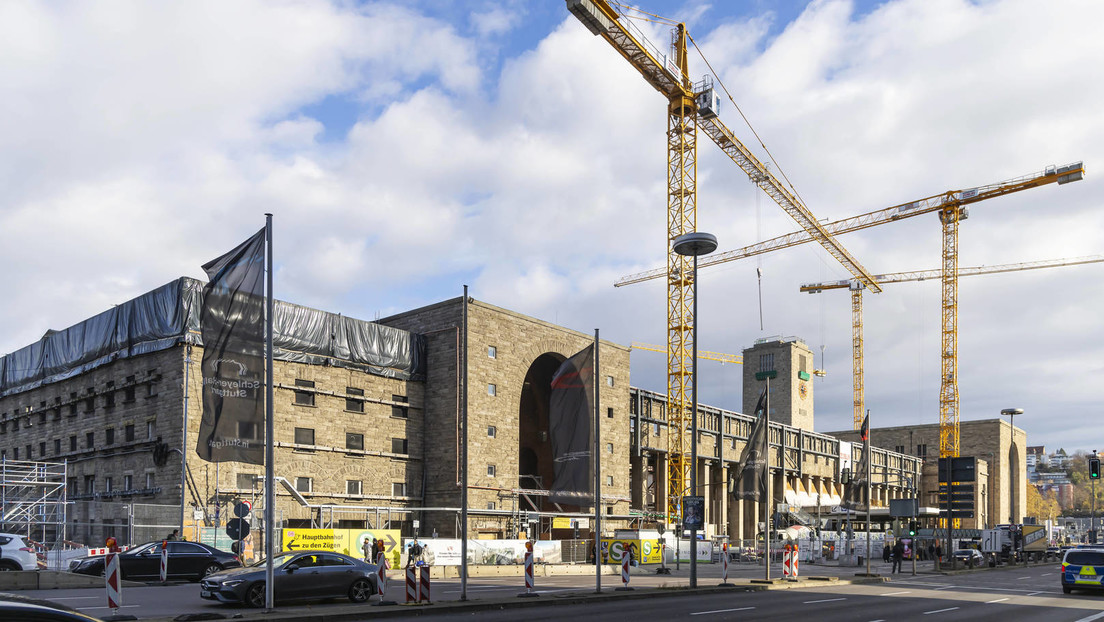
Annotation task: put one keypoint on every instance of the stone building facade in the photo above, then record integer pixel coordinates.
(792, 389)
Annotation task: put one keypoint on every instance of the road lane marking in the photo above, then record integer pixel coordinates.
(941, 610)
(826, 600)
(946, 587)
(988, 602)
(1034, 593)
(1092, 617)
(894, 593)
(77, 598)
(702, 613)
(1022, 578)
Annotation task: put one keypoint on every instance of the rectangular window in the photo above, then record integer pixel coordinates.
(609, 448)
(128, 482)
(492, 352)
(128, 432)
(149, 430)
(303, 484)
(304, 436)
(90, 440)
(802, 362)
(922, 451)
(609, 413)
(15, 452)
(609, 480)
(655, 429)
(149, 480)
(42, 449)
(398, 489)
(89, 484)
(492, 431)
(398, 445)
(304, 398)
(766, 362)
(490, 470)
(492, 390)
(109, 399)
(490, 505)
(245, 481)
(128, 394)
(57, 446)
(29, 453)
(354, 440)
(609, 381)
(352, 486)
(354, 401)
(73, 409)
(72, 443)
(109, 436)
(107, 484)
(402, 412)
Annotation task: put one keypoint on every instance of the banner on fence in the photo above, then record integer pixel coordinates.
(643, 551)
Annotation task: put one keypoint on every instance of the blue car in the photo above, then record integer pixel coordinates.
(1082, 569)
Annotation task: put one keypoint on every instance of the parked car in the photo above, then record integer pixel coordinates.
(971, 558)
(16, 553)
(187, 560)
(1082, 569)
(299, 575)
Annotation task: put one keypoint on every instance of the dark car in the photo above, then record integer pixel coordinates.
(187, 560)
(971, 558)
(299, 575)
(23, 608)
(1082, 569)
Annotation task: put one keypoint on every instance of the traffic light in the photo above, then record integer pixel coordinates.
(1094, 468)
(912, 529)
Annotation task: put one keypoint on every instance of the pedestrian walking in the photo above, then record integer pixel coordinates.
(415, 554)
(898, 556)
(885, 552)
(931, 550)
(367, 549)
(939, 553)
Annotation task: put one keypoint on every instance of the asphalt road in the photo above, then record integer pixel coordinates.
(1002, 594)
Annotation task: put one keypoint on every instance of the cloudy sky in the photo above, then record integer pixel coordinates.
(409, 148)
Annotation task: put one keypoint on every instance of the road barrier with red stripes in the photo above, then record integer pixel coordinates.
(417, 584)
(114, 587)
(164, 561)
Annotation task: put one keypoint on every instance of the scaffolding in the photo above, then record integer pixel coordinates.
(32, 501)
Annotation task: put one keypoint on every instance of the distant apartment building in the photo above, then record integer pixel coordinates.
(1036, 455)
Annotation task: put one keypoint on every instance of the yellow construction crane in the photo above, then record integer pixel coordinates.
(952, 209)
(720, 357)
(919, 275)
(689, 106)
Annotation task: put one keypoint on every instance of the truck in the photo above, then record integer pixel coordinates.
(996, 543)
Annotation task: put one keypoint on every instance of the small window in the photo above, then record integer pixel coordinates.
(492, 352)
(655, 429)
(492, 431)
(922, 451)
(149, 430)
(304, 436)
(73, 409)
(30, 454)
(490, 470)
(89, 484)
(149, 480)
(128, 432)
(398, 489)
(57, 446)
(107, 483)
(245, 481)
(492, 390)
(109, 436)
(128, 394)
(398, 445)
(609, 509)
(42, 449)
(128, 482)
(304, 398)
(304, 484)
(90, 440)
(15, 452)
(609, 448)
(397, 410)
(72, 443)
(354, 440)
(109, 399)
(609, 413)
(609, 480)
(354, 399)
(609, 381)
(352, 486)
(490, 505)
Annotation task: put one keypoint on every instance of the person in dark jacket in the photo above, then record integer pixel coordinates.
(898, 556)
(885, 553)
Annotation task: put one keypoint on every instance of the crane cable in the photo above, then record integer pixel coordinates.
(744, 117)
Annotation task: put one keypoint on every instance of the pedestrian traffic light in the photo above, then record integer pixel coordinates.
(912, 529)
(1094, 468)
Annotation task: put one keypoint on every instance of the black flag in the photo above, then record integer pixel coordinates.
(570, 409)
(232, 324)
(854, 494)
(751, 483)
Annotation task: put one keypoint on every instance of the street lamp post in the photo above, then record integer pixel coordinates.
(694, 244)
(1013, 468)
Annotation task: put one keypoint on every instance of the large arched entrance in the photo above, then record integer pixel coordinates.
(535, 471)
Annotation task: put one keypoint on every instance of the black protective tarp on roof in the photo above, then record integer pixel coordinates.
(169, 315)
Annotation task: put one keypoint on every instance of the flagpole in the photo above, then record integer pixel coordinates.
(769, 492)
(270, 496)
(869, 459)
(462, 446)
(597, 476)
